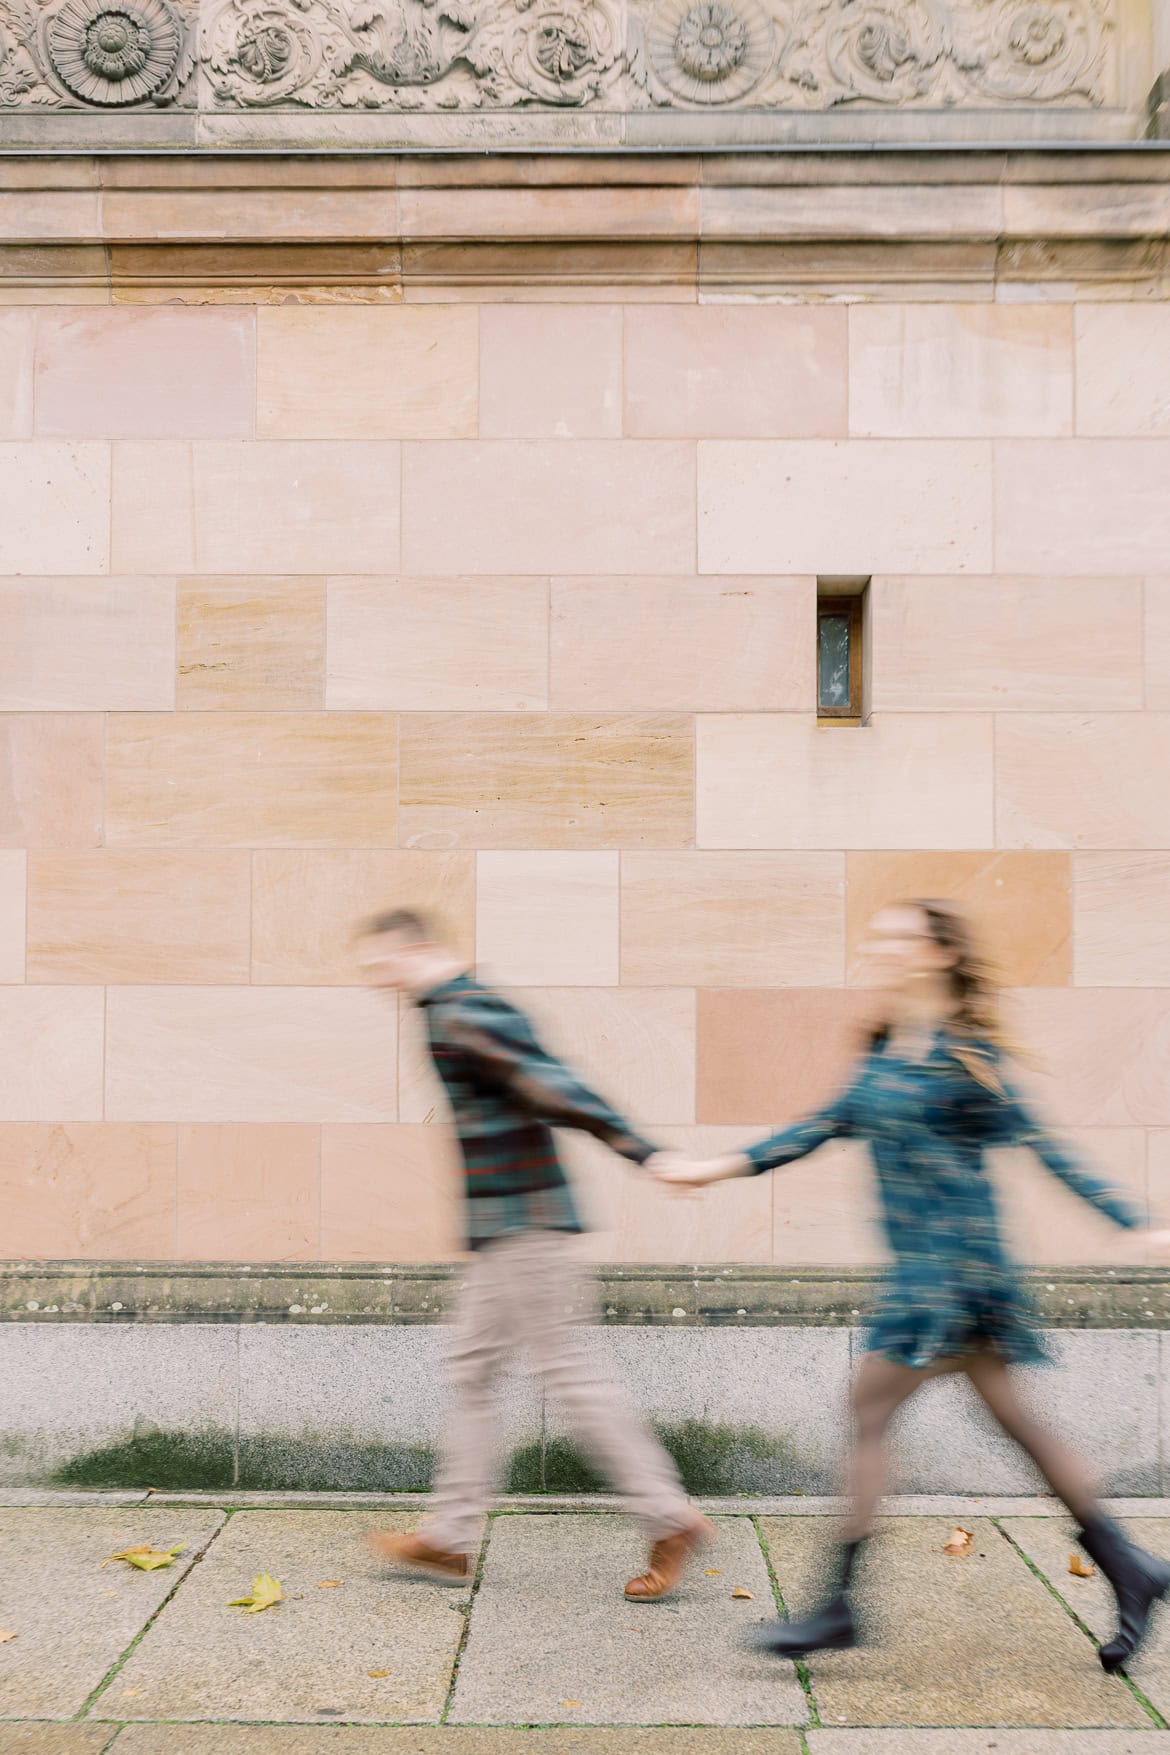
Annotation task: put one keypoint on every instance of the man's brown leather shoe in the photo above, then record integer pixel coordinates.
(668, 1561)
(412, 1551)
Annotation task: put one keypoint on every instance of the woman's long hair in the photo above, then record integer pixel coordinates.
(976, 1036)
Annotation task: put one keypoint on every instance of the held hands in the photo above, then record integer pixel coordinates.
(684, 1176)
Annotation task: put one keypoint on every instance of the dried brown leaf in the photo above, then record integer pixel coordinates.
(744, 1595)
(961, 1543)
(570, 1703)
(712, 1572)
(1081, 1568)
(5, 1637)
(328, 1584)
(377, 1674)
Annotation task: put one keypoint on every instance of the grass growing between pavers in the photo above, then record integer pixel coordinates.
(481, 1561)
(802, 1671)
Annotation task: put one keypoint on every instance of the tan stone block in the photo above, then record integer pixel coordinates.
(769, 1056)
(52, 214)
(733, 919)
(52, 1040)
(50, 779)
(736, 372)
(525, 506)
(550, 371)
(413, 644)
(1085, 506)
(1046, 1224)
(87, 643)
(634, 1045)
(379, 372)
(13, 910)
(547, 919)
(56, 499)
(845, 506)
(138, 916)
(510, 780)
(732, 1222)
(1157, 595)
(306, 907)
(611, 213)
(700, 644)
(234, 1054)
(952, 644)
(858, 211)
(1101, 1055)
(1020, 905)
(564, 271)
(251, 643)
(225, 213)
(1122, 904)
(94, 1191)
(1123, 370)
(825, 1209)
(248, 1193)
(903, 780)
(960, 370)
(390, 1194)
(250, 779)
(320, 506)
(1096, 781)
(152, 507)
(17, 331)
(145, 374)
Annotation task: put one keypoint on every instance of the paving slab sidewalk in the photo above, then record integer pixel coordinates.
(449, 1740)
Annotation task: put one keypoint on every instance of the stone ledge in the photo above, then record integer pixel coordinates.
(317, 1294)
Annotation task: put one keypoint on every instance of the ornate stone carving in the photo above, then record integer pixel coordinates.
(450, 55)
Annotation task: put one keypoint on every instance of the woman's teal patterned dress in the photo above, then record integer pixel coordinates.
(952, 1288)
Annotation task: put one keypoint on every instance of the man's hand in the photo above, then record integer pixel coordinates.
(1157, 1245)
(683, 1175)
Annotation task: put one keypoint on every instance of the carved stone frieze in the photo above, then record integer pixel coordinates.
(612, 55)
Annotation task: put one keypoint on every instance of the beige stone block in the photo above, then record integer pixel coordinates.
(733, 919)
(547, 919)
(959, 644)
(251, 643)
(320, 506)
(1046, 1224)
(234, 1054)
(1085, 506)
(224, 213)
(825, 1209)
(768, 1056)
(374, 372)
(903, 780)
(56, 214)
(123, 373)
(856, 210)
(152, 507)
(1123, 370)
(87, 643)
(1095, 781)
(94, 1191)
(550, 371)
(731, 1222)
(248, 1193)
(135, 916)
(306, 907)
(52, 1053)
(736, 372)
(1019, 904)
(960, 370)
(525, 506)
(17, 331)
(845, 506)
(413, 644)
(634, 1045)
(609, 213)
(390, 1194)
(56, 500)
(13, 910)
(510, 780)
(1157, 595)
(1122, 913)
(50, 779)
(1101, 1056)
(250, 779)
(705, 645)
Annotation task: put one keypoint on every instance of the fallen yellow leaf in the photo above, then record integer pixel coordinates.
(265, 1591)
(961, 1543)
(377, 1674)
(570, 1703)
(328, 1584)
(1080, 1568)
(146, 1558)
(5, 1637)
(744, 1595)
(131, 1693)
(712, 1572)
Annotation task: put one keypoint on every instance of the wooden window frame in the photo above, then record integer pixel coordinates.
(850, 604)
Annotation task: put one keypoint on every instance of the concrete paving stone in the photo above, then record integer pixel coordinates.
(449, 1740)
(1048, 1544)
(55, 1739)
(903, 1742)
(88, 1496)
(974, 1641)
(309, 1658)
(550, 1626)
(72, 1619)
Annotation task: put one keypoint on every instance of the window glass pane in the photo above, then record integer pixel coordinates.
(833, 661)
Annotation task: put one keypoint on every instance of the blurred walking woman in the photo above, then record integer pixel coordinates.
(930, 1097)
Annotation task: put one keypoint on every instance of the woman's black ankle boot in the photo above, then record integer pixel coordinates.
(832, 1628)
(1139, 1581)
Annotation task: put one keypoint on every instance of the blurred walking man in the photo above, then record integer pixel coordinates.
(506, 1092)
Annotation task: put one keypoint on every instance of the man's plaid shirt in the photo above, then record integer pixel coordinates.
(506, 1091)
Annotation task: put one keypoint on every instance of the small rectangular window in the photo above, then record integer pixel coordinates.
(840, 655)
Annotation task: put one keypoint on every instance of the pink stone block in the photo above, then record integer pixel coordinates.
(1102, 1055)
(16, 373)
(550, 372)
(1097, 780)
(1083, 506)
(13, 906)
(56, 500)
(51, 1053)
(87, 643)
(50, 779)
(152, 507)
(96, 1191)
(248, 1193)
(390, 1193)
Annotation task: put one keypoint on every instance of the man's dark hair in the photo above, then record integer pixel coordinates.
(418, 928)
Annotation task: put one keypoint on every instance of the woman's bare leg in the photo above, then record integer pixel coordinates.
(1070, 1479)
(880, 1389)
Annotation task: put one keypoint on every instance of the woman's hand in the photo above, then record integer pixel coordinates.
(1157, 1244)
(684, 1176)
